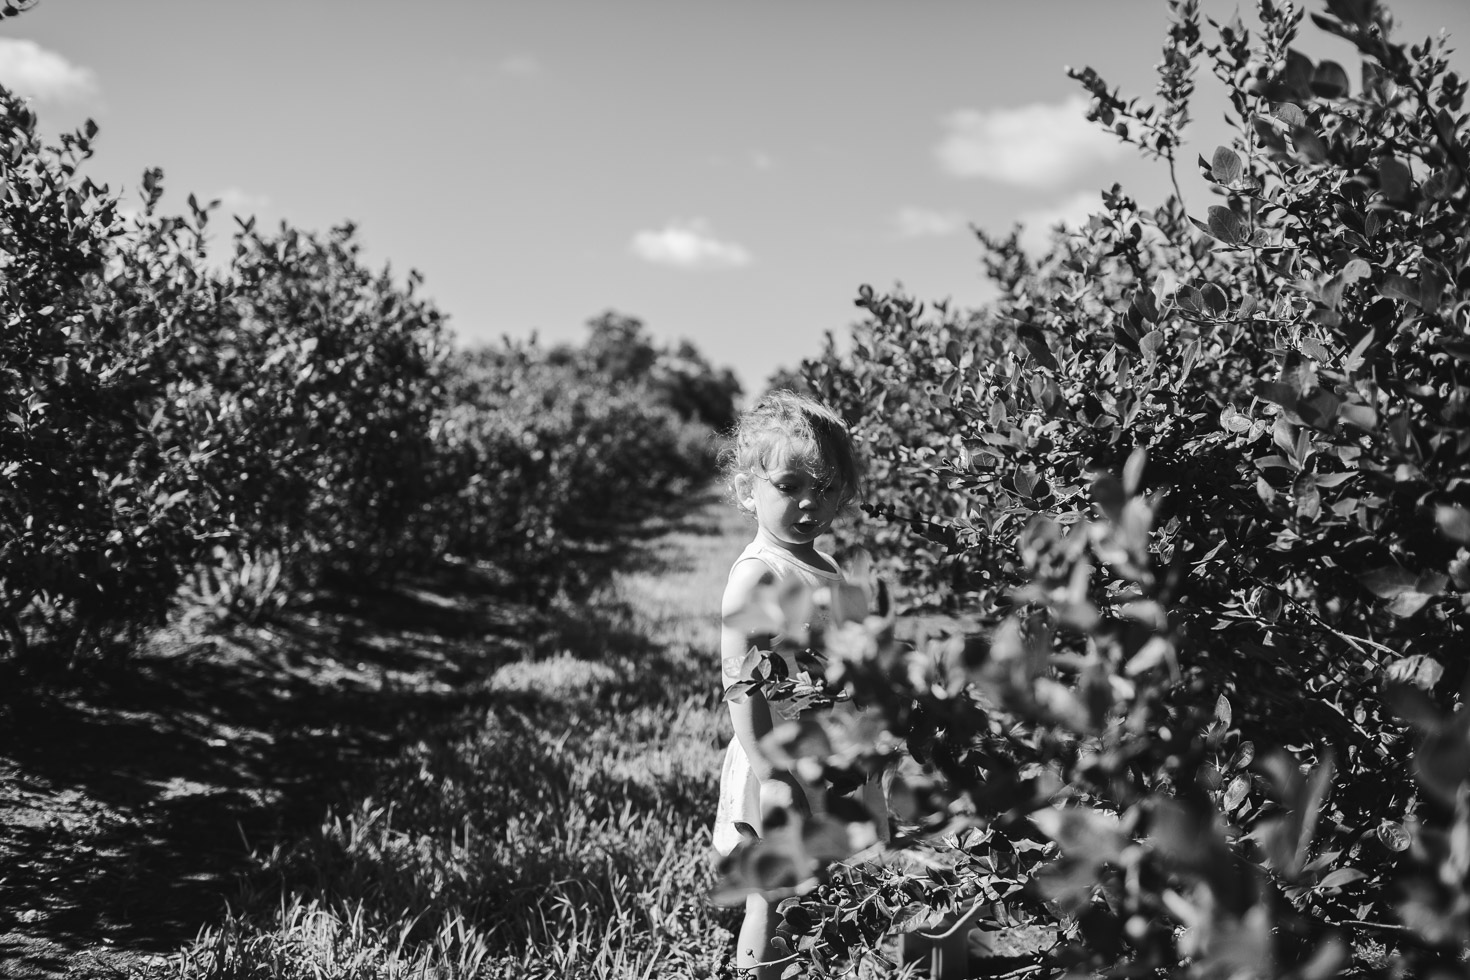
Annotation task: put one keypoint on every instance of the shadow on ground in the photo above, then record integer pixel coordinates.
(132, 793)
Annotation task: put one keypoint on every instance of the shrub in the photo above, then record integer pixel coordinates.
(327, 378)
(537, 459)
(1203, 475)
(100, 510)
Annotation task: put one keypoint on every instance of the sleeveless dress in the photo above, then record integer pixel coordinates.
(739, 785)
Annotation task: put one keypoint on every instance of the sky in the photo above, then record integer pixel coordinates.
(727, 171)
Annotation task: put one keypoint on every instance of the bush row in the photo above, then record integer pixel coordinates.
(1202, 473)
(247, 424)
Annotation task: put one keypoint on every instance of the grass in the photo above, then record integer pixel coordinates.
(554, 825)
(432, 780)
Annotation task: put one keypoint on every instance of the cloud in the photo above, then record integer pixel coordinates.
(688, 245)
(233, 200)
(1037, 145)
(520, 65)
(925, 223)
(761, 160)
(1072, 212)
(29, 69)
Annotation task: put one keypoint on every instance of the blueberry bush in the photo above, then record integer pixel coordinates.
(1199, 474)
(250, 427)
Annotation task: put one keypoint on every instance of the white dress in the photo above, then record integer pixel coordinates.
(739, 785)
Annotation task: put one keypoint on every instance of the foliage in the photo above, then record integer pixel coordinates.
(98, 515)
(535, 456)
(619, 352)
(1204, 476)
(256, 422)
(326, 379)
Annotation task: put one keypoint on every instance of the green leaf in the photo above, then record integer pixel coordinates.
(1189, 298)
(1277, 393)
(1458, 349)
(1443, 759)
(1413, 704)
(1151, 343)
(1315, 350)
(1441, 185)
(1226, 166)
(1359, 416)
(1289, 114)
(1330, 480)
(1406, 604)
(1309, 145)
(1401, 288)
(1236, 792)
(1394, 179)
(1359, 353)
(1223, 714)
(1146, 305)
(1215, 301)
(1319, 409)
(1389, 581)
(1232, 420)
(1133, 471)
(1431, 288)
(1035, 341)
(1340, 877)
(1417, 669)
(1393, 836)
(1269, 133)
(1227, 226)
(1453, 521)
(1308, 498)
(1330, 81)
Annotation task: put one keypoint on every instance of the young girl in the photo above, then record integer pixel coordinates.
(793, 467)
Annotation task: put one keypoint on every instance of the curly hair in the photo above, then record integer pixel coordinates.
(783, 425)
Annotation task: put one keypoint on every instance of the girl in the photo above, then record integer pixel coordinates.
(793, 467)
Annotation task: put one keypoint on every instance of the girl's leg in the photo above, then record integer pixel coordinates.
(754, 944)
(874, 796)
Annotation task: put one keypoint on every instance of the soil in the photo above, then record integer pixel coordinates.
(134, 789)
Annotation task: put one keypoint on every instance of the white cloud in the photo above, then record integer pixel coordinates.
(1073, 213)
(924, 223)
(520, 65)
(688, 245)
(1037, 145)
(28, 69)
(233, 200)
(761, 160)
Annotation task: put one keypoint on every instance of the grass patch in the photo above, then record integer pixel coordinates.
(555, 823)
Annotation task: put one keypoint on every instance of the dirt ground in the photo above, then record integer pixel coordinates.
(133, 792)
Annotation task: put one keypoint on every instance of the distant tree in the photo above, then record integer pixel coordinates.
(620, 353)
(618, 349)
(789, 379)
(688, 384)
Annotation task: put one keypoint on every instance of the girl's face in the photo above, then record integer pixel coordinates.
(792, 502)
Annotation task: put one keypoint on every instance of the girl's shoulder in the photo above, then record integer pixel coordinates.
(782, 563)
(747, 574)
